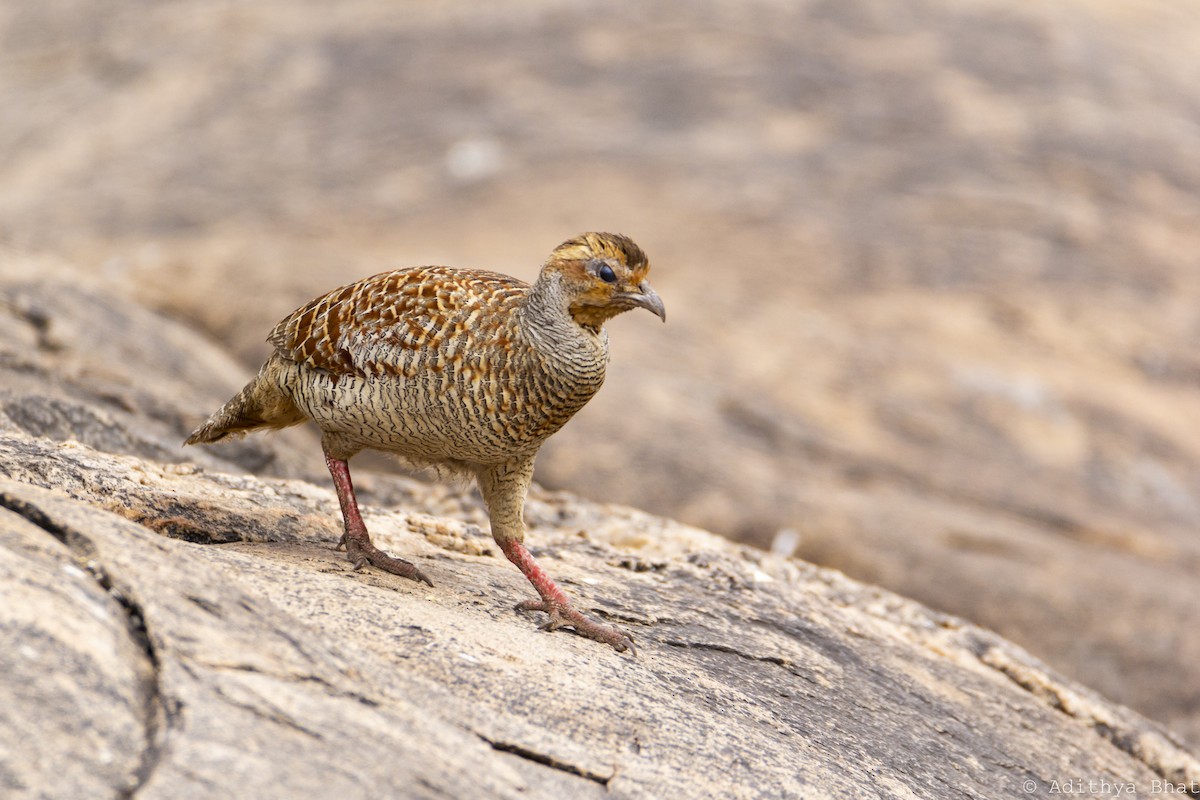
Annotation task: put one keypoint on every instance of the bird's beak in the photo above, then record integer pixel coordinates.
(647, 298)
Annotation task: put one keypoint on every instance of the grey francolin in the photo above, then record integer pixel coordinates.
(457, 369)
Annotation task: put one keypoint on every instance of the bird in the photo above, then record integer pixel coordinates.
(465, 371)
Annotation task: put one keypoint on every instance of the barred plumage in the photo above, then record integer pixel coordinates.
(462, 369)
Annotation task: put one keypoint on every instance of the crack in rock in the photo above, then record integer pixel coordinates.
(733, 651)
(156, 710)
(545, 760)
(270, 713)
(330, 689)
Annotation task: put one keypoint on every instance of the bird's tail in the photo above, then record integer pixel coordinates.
(260, 404)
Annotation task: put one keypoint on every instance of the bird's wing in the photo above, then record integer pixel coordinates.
(379, 323)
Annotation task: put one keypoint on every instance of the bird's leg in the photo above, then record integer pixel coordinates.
(554, 602)
(359, 547)
(504, 491)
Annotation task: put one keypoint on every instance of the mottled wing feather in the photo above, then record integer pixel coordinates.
(366, 327)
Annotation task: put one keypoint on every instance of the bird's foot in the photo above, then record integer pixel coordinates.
(563, 615)
(360, 551)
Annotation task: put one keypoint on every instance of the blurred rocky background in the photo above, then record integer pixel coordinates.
(932, 268)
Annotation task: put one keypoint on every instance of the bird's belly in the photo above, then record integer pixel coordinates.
(438, 417)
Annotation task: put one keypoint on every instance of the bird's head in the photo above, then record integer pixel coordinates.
(603, 274)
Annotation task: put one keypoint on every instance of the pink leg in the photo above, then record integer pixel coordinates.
(359, 548)
(554, 602)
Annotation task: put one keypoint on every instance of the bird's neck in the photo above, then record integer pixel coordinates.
(549, 325)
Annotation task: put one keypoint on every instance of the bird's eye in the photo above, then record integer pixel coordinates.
(606, 274)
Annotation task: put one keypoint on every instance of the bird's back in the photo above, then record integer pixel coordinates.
(433, 363)
(400, 322)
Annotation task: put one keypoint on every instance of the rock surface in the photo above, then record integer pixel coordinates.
(170, 632)
(950, 245)
(173, 630)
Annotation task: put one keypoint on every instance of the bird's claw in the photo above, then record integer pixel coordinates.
(564, 616)
(361, 553)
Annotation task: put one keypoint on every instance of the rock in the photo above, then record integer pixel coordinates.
(76, 669)
(184, 634)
